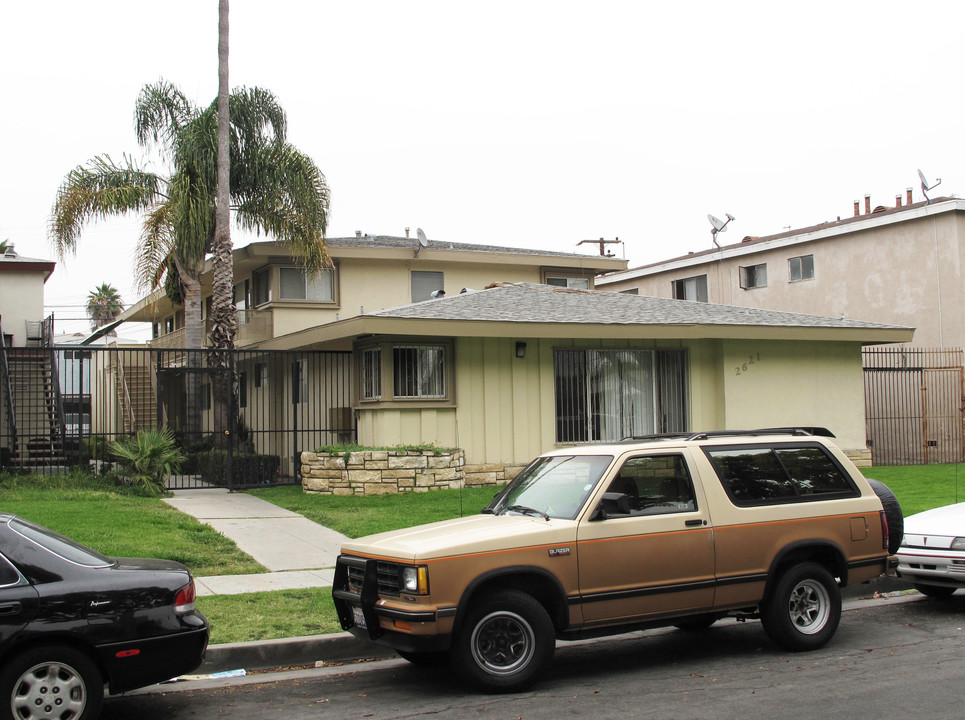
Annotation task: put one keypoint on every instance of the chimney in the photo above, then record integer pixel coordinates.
(908, 195)
(857, 208)
(407, 232)
(358, 233)
(898, 200)
(867, 204)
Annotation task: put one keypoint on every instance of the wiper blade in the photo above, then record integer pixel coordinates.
(487, 511)
(528, 511)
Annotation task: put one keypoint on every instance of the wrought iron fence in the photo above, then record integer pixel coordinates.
(913, 405)
(241, 418)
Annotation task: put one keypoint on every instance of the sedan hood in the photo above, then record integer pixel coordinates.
(948, 521)
(477, 533)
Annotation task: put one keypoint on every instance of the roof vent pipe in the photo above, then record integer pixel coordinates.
(358, 233)
(10, 252)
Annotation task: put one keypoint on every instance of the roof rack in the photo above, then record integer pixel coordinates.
(798, 430)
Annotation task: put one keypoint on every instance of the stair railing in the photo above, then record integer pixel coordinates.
(48, 342)
(8, 392)
(122, 381)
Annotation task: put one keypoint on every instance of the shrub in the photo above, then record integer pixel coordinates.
(247, 468)
(147, 457)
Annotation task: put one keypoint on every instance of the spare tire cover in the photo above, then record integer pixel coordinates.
(893, 515)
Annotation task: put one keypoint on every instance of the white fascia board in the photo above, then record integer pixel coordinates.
(735, 251)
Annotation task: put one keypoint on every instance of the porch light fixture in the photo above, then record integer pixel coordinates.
(520, 349)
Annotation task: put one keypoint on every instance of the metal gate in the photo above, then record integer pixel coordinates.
(241, 418)
(913, 405)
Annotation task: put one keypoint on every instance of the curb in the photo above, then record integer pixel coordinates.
(289, 652)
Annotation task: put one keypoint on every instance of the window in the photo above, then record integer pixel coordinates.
(169, 325)
(692, 288)
(424, 283)
(261, 286)
(372, 373)
(607, 395)
(763, 475)
(655, 485)
(9, 575)
(296, 286)
(580, 283)
(754, 276)
(419, 371)
(800, 268)
(261, 375)
(243, 390)
(631, 291)
(240, 295)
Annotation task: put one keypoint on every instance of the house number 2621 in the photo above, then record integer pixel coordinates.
(752, 359)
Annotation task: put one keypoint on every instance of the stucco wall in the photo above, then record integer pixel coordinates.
(21, 299)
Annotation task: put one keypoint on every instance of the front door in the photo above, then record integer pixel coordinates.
(657, 558)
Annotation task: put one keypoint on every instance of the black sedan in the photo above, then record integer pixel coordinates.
(72, 621)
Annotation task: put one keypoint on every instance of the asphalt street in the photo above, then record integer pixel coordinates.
(901, 656)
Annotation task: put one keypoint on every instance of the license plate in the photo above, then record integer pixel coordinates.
(358, 617)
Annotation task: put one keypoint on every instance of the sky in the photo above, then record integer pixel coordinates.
(528, 123)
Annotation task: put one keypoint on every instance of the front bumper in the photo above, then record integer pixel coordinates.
(935, 569)
(390, 622)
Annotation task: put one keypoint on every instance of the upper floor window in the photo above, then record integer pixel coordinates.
(800, 268)
(240, 295)
(579, 283)
(261, 286)
(754, 276)
(426, 282)
(295, 285)
(692, 288)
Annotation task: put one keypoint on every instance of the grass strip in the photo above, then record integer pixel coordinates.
(922, 487)
(269, 615)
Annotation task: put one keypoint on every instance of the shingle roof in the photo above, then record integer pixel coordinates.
(530, 303)
(386, 241)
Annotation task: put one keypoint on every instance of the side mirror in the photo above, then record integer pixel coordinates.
(613, 504)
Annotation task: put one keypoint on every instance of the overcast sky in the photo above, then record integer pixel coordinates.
(525, 123)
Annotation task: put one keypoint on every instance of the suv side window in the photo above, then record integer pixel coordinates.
(655, 485)
(764, 475)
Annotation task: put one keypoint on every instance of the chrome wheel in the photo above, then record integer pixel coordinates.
(502, 642)
(809, 606)
(49, 690)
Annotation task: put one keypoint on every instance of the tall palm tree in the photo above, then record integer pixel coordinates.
(224, 324)
(274, 188)
(104, 304)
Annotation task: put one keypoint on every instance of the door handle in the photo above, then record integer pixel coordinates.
(10, 608)
(694, 523)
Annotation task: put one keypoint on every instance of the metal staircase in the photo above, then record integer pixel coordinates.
(34, 420)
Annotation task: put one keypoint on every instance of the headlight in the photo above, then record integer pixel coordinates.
(415, 579)
(958, 544)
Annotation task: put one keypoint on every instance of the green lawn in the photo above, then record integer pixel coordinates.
(119, 522)
(358, 515)
(922, 487)
(270, 615)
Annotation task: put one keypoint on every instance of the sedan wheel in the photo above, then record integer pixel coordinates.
(51, 682)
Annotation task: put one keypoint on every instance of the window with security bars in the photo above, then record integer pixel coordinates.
(607, 395)
(372, 373)
(419, 371)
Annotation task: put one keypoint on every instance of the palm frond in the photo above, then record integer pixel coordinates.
(99, 190)
(155, 247)
(160, 113)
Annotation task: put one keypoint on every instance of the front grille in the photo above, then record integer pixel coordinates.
(389, 580)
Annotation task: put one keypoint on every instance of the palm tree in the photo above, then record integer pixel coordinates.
(4, 244)
(224, 324)
(103, 306)
(274, 189)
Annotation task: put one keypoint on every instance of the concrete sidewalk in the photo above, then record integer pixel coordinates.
(297, 552)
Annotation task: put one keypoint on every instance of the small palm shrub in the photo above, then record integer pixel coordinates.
(147, 457)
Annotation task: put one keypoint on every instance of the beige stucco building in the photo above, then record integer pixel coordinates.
(22, 282)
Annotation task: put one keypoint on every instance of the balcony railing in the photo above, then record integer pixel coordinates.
(253, 326)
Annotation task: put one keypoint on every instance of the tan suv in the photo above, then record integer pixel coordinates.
(602, 539)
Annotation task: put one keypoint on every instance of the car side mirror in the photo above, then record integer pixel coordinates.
(612, 504)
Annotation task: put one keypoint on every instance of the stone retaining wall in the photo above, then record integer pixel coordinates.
(379, 472)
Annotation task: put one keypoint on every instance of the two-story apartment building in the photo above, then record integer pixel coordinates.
(899, 265)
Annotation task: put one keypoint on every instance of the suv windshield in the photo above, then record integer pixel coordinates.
(552, 487)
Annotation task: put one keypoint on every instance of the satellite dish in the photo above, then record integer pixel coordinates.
(423, 241)
(718, 225)
(716, 222)
(925, 187)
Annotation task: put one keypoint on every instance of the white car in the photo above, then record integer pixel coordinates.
(932, 553)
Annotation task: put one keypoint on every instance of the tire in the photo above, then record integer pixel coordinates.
(935, 591)
(505, 643)
(425, 659)
(51, 682)
(696, 623)
(893, 515)
(804, 609)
